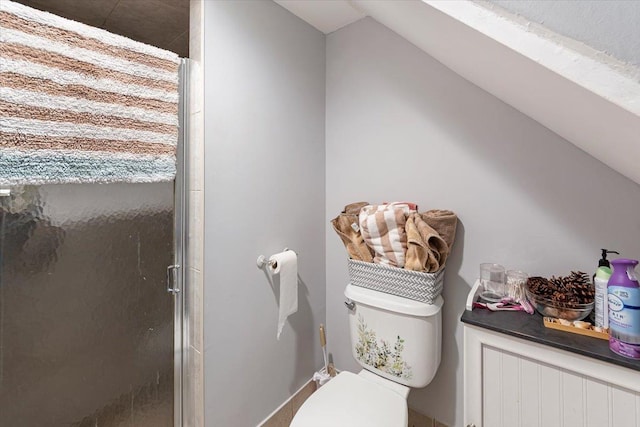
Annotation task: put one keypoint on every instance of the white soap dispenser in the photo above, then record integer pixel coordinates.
(600, 281)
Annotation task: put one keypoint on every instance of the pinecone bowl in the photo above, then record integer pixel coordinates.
(570, 298)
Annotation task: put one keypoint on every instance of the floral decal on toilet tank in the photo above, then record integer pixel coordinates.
(379, 353)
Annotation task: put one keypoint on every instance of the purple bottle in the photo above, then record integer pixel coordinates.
(624, 309)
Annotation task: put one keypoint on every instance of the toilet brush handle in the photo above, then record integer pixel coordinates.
(323, 337)
(323, 344)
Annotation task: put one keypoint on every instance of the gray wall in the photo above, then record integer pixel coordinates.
(612, 26)
(401, 126)
(264, 73)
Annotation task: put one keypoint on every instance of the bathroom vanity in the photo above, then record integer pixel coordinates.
(519, 373)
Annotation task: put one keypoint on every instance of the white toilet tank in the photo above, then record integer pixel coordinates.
(394, 337)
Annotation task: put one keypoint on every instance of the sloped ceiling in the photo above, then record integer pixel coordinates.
(583, 95)
(161, 23)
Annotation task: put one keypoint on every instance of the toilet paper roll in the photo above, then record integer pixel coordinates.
(284, 268)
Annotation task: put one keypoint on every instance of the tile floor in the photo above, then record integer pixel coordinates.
(283, 417)
(417, 419)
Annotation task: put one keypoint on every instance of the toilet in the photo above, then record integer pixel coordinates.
(397, 341)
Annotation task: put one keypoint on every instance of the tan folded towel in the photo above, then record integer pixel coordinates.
(346, 225)
(354, 208)
(426, 250)
(444, 222)
(418, 253)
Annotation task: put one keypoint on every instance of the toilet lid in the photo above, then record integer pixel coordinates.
(350, 400)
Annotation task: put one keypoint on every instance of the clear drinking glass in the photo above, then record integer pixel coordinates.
(492, 279)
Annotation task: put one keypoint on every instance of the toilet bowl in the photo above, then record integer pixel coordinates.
(398, 342)
(351, 400)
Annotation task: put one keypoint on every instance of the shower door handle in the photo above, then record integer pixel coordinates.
(172, 279)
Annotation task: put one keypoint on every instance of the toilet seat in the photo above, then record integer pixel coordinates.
(351, 400)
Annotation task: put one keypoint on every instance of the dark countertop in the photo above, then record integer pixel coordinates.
(531, 328)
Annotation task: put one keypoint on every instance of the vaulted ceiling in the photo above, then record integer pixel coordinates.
(161, 23)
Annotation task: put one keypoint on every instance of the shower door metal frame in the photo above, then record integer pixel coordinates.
(176, 281)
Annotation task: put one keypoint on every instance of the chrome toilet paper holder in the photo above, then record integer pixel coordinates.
(263, 261)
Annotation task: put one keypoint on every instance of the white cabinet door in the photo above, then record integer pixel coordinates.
(515, 383)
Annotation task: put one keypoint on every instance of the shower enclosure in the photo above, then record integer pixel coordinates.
(91, 302)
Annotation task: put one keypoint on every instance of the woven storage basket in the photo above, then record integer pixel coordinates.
(415, 285)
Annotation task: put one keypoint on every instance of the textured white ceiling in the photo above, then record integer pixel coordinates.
(325, 15)
(609, 26)
(161, 23)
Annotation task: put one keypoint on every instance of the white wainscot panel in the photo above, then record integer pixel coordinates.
(623, 408)
(530, 393)
(550, 387)
(519, 391)
(597, 395)
(492, 386)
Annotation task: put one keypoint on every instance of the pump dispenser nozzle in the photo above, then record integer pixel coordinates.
(604, 262)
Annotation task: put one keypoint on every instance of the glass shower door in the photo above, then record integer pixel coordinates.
(86, 322)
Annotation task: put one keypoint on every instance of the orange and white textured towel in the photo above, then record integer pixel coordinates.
(382, 227)
(79, 104)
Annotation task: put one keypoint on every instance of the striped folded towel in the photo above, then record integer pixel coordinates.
(382, 227)
(80, 104)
